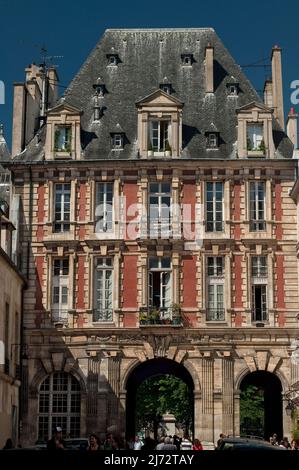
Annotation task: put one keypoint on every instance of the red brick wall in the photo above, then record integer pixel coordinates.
(189, 282)
(238, 289)
(130, 289)
(130, 191)
(80, 292)
(40, 212)
(189, 198)
(237, 211)
(278, 211)
(82, 209)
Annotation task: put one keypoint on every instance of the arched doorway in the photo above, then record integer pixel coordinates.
(261, 405)
(153, 368)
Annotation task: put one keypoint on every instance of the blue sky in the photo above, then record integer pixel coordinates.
(71, 29)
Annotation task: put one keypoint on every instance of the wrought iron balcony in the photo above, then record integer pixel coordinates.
(215, 314)
(102, 315)
(160, 316)
(259, 314)
(59, 315)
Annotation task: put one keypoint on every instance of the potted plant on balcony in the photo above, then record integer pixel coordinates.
(143, 317)
(167, 149)
(150, 151)
(155, 316)
(176, 314)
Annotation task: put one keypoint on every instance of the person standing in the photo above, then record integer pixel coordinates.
(94, 442)
(56, 443)
(197, 445)
(137, 444)
(186, 444)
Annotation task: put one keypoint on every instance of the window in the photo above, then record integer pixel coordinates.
(212, 141)
(166, 87)
(117, 141)
(257, 206)
(63, 138)
(187, 59)
(232, 89)
(159, 209)
(215, 288)
(62, 207)
(6, 339)
(113, 59)
(104, 207)
(255, 137)
(59, 405)
(214, 207)
(159, 282)
(103, 289)
(159, 135)
(259, 280)
(259, 266)
(60, 290)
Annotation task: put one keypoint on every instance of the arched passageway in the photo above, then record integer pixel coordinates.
(149, 369)
(261, 405)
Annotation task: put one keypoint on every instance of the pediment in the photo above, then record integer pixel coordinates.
(65, 108)
(159, 98)
(255, 106)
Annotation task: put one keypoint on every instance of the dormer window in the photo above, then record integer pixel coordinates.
(117, 141)
(255, 138)
(212, 140)
(63, 138)
(159, 135)
(166, 87)
(187, 59)
(113, 59)
(232, 89)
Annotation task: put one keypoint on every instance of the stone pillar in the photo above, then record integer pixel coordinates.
(227, 394)
(113, 392)
(237, 413)
(198, 431)
(91, 399)
(207, 398)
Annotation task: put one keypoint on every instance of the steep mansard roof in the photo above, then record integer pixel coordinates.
(148, 58)
(4, 151)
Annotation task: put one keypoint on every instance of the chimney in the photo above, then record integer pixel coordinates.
(52, 87)
(209, 68)
(268, 93)
(18, 123)
(277, 85)
(26, 109)
(292, 127)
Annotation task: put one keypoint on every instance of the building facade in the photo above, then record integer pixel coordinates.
(11, 294)
(157, 233)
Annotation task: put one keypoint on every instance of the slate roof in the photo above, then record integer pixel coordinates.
(146, 56)
(4, 151)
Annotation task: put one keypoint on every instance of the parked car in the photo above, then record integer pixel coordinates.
(244, 443)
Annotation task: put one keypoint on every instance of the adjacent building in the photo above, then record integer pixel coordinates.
(157, 233)
(11, 294)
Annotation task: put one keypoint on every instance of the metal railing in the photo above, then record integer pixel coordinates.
(160, 316)
(102, 315)
(59, 315)
(259, 314)
(215, 314)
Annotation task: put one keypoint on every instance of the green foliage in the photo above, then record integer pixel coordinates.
(252, 411)
(296, 434)
(159, 395)
(249, 144)
(262, 146)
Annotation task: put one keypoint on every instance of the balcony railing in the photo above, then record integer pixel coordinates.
(160, 316)
(59, 315)
(102, 315)
(215, 314)
(259, 314)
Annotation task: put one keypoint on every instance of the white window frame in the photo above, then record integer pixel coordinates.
(103, 312)
(165, 285)
(61, 282)
(161, 136)
(255, 133)
(117, 141)
(259, 278)
(215, 202)
(212, 140)
(160, 226)
(61, 223)
(215, 312)
(257, 223)
(104, 209)
(66, 143)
